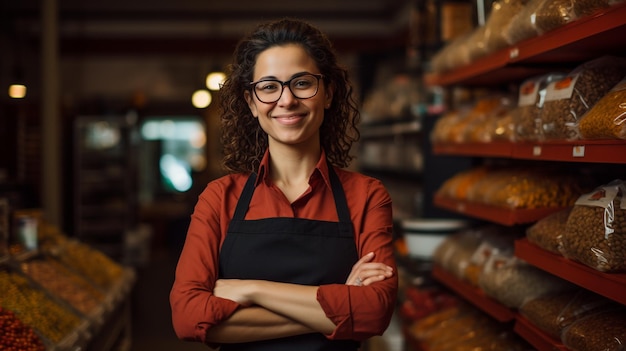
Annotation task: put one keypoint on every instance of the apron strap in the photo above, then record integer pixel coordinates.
(340, 196)
(244, 199)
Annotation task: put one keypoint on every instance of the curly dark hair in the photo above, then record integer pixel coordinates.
(243, 140)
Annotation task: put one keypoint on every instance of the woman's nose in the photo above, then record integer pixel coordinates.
(287, 97)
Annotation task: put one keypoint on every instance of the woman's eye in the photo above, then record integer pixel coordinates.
(268, 86)
(302, 84)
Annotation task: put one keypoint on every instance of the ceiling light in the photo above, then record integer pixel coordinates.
(214, 80)
(201, 98)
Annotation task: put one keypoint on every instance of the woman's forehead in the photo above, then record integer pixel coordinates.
(281, 62)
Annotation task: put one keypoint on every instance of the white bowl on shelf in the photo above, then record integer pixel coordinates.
(424, 235)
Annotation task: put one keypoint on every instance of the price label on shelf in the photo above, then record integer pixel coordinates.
(578, 151)
(536, 150)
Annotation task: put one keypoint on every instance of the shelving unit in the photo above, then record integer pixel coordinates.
(105, 176)
(589, 151)
(603, 33)
(600, 34)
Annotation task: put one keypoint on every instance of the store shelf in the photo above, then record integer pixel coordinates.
(597, 151)
(536, 337)
(592, 151)
(391, 129)
(586, 38)
(610, 285)
(474, 295)
(500, 215)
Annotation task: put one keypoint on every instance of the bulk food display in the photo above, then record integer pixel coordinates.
(558, 176)
(59, 294)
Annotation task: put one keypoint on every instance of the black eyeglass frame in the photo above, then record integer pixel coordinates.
(286, 83)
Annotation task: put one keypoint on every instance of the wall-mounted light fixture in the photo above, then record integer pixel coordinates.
(17, 89)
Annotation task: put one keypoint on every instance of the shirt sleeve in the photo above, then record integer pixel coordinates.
(361, 312)
(194, 307)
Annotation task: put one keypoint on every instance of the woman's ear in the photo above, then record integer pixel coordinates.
(328, 96)
(251, 105)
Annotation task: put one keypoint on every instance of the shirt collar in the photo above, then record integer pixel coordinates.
(321, 169)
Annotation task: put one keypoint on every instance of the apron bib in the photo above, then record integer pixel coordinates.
(290, 250)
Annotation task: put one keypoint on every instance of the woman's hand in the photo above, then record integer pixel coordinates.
(234, 289)
(364, 272)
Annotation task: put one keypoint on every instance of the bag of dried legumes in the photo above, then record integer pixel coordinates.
(602, 331)
(526, 117)
(547, 232)
(595, 232)
(607, 118)
(511, 281)
(553, 313)
(568, 99)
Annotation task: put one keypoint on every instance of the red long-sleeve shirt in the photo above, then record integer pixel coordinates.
(358, 312)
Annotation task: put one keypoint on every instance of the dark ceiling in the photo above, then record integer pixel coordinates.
(202, 26)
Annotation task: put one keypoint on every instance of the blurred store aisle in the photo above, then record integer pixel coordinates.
(152, 326)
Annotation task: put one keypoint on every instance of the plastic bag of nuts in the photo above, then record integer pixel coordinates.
(607, 118)
(501, 13)
(595, 232)
(543, 311)
(511, 281)
(522, 26)
(602, 331)
(568, 99)
(527, 115)
(587, 7)
(552, 14)
(553, 313)
(546, 232)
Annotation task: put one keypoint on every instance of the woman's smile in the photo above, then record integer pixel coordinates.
(289, 119)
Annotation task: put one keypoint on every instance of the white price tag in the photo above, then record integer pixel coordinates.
(536, 150)
(578, 151)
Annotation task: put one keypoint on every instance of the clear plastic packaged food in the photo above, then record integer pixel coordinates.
(568, 99)
(607, 118)
(543, 311)
(458, 185)
(527, 115)
(547, 232)
(497, 240)
(603, 331)
(587, 7)
(595, 232)
(455, 252)
(511, 281)
(553, 313)
(522, 26)
(501, 13)
(552, 14)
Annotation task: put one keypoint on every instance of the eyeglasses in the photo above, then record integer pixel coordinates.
(303, 86)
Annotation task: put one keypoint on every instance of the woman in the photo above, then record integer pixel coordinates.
(288, 251)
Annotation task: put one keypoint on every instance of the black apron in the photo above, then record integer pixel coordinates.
(290, 250)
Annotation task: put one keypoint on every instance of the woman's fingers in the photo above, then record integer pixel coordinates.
(365, 272)
(369, 276)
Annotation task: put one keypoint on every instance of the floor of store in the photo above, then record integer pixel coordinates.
(151, 318)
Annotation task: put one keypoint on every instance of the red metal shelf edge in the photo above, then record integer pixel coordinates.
(510, 58)
(499, 149)
(473, 294)
(593, 151)
(598, 151)
(535, 336)
(610, 285)
(501, 215)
